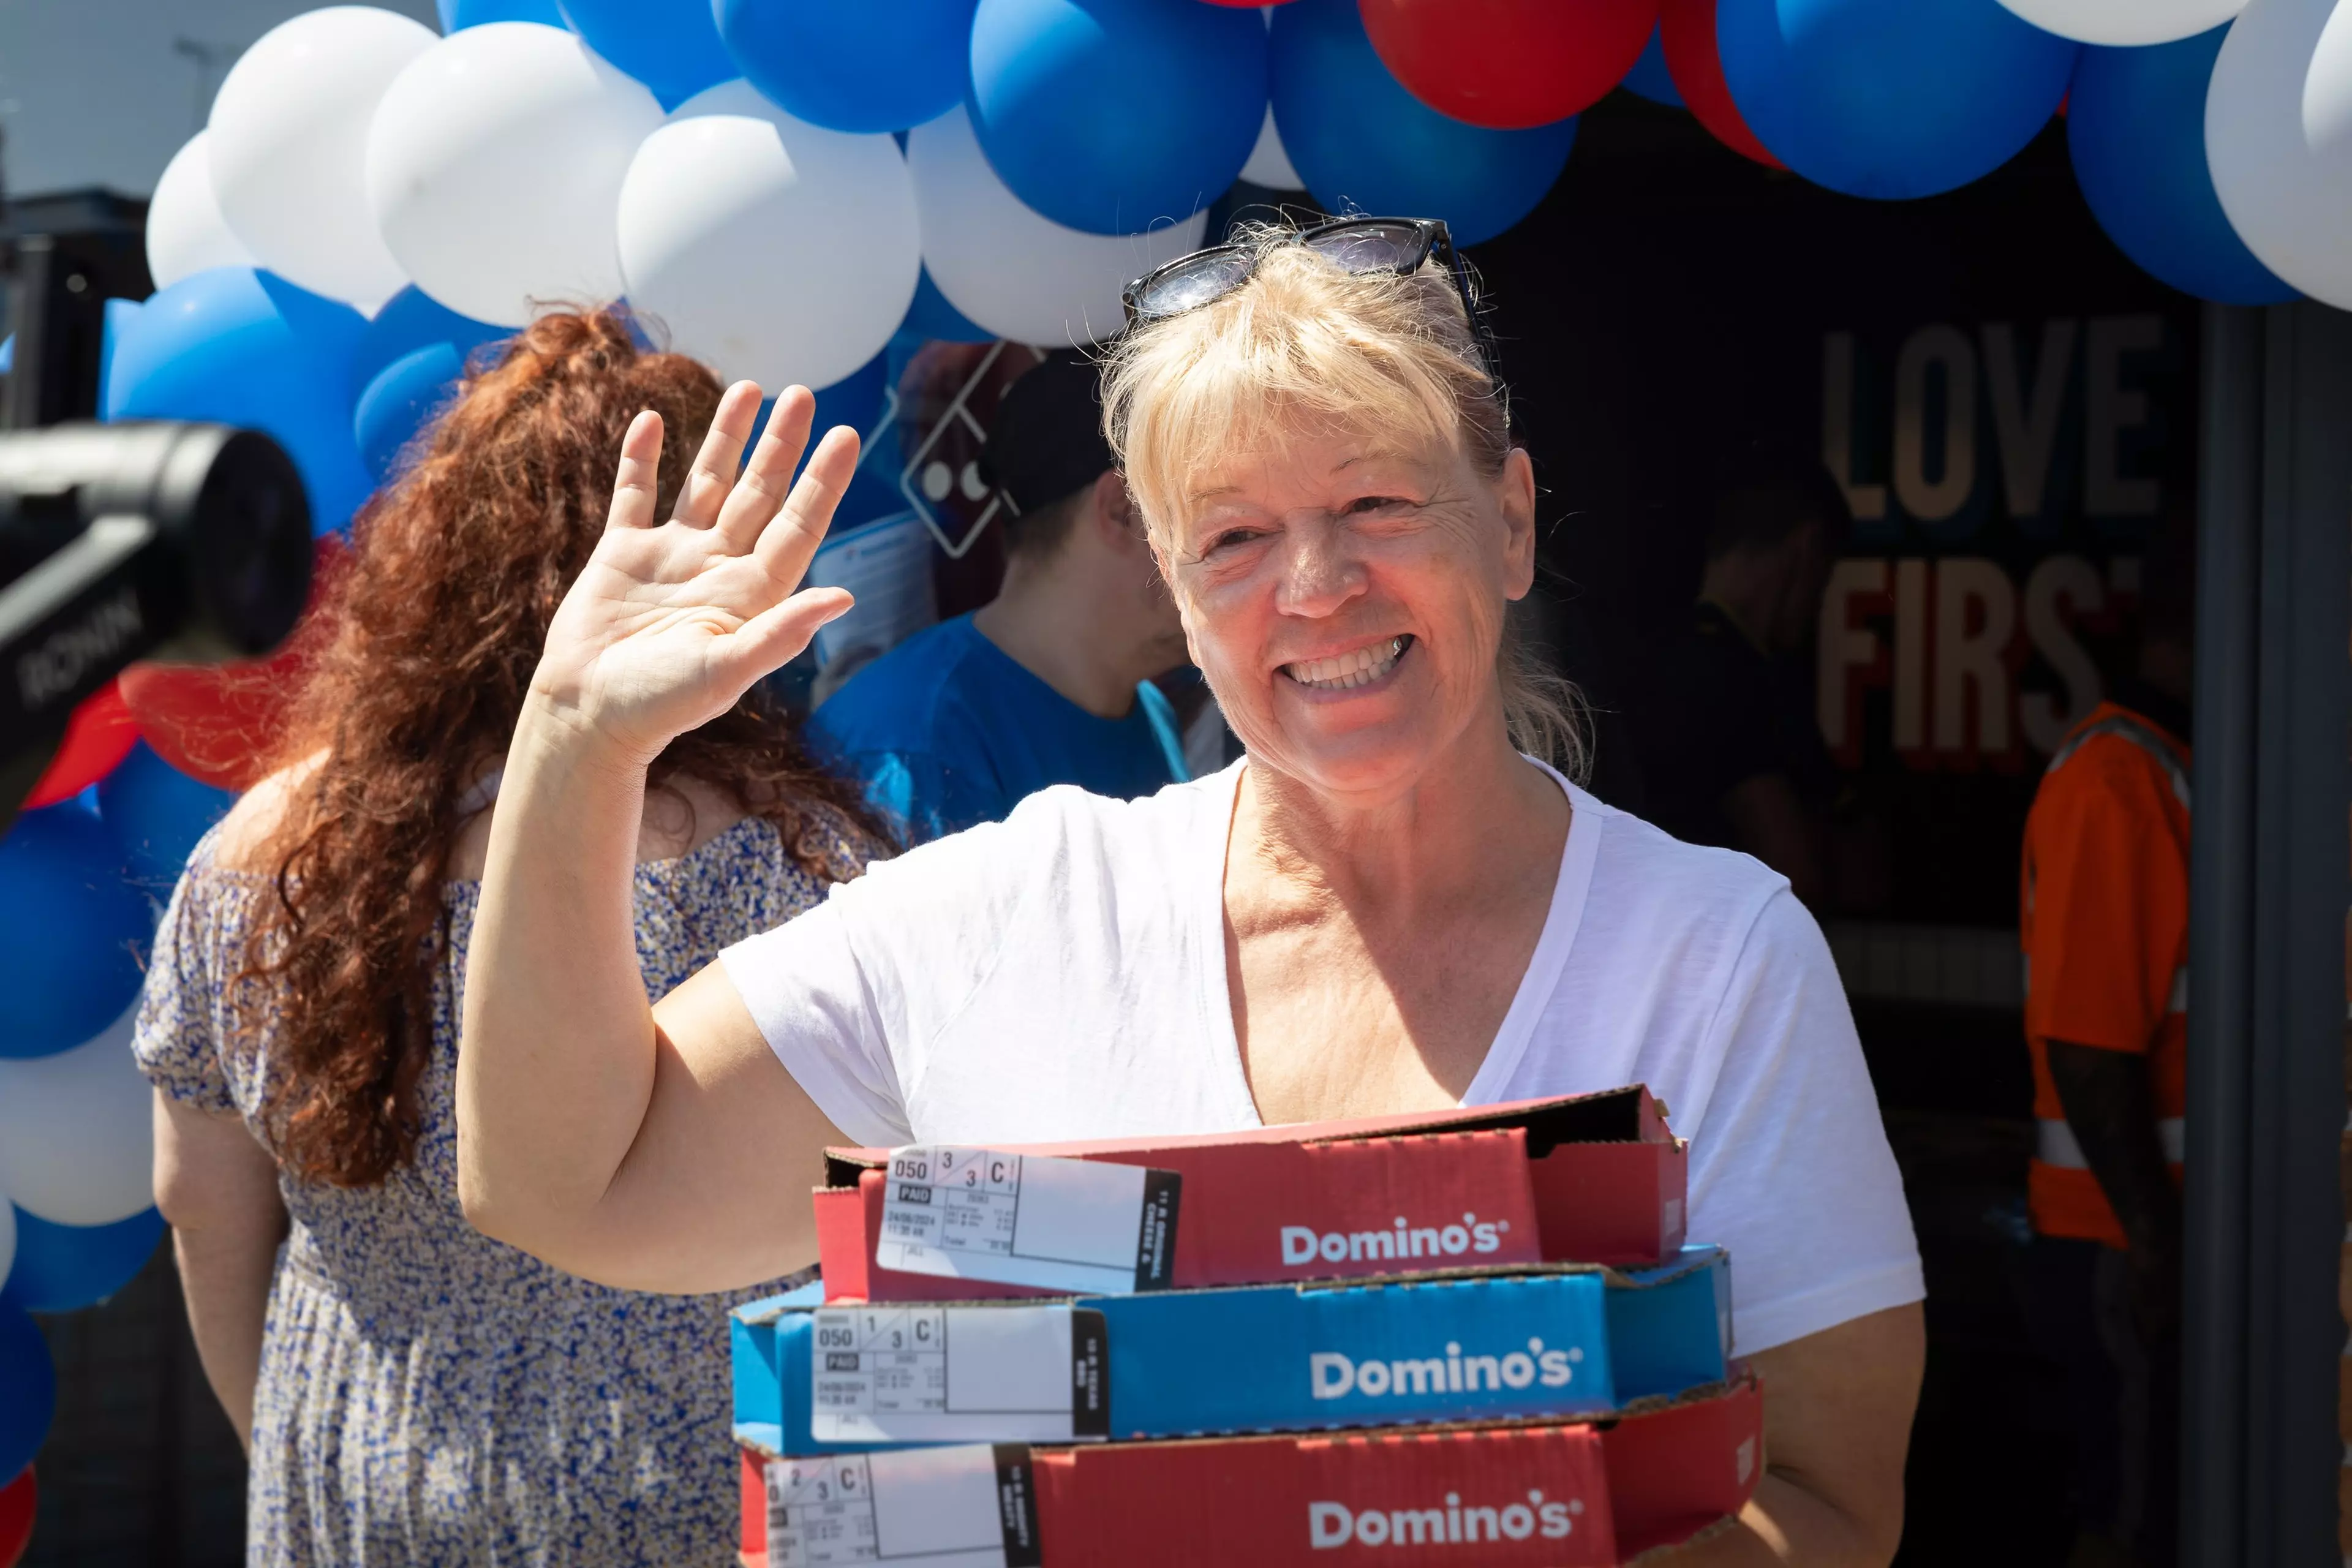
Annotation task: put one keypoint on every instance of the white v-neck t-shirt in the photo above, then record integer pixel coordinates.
(1061, 975)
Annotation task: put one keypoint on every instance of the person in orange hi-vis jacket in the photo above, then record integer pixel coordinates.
(2103, 922)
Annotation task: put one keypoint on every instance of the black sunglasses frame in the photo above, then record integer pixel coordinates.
(1432, 238)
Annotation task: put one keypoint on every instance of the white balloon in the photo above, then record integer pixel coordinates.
(77, 1144)
(2278, 139)
(185, 231)
(289, 136)
(7, 1239)
(1019, 274)
(2126, 22)
(495, 164)
(771, 249)
(1269, 163)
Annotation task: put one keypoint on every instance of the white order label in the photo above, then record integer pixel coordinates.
(969, 1506)
(1082, 1225)
(891, 1373)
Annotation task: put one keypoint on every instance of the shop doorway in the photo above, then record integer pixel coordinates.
(2012, 410)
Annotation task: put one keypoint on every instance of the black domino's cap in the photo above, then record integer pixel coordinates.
(1046, 440)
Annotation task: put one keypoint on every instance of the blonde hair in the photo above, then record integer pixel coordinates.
(1305, 341)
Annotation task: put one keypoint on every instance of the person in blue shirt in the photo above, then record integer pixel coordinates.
(1051, 681)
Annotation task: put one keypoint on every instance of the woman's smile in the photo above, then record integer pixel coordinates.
(1371, 665)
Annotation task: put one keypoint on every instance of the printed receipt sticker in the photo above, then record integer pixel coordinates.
(1081, 1225)
(1019, 1372)
(1037, 1373)
(972, 1506)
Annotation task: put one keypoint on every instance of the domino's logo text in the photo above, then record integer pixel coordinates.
(1334, 1375)
(1303, 1244)
(1330, 1525)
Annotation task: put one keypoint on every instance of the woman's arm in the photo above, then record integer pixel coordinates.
(651, 1149)
(218, 1190)
(1837, 1428)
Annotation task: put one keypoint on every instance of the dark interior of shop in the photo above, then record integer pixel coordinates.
(2010, 405)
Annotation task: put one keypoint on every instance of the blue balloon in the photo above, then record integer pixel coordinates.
(1649, 78)
(856, 400)
(29, 1387)
(8, 354)
(411, 319)
(246, 347)
(398, 401)
(1363, 143)
(871, 65)
(156, 813)
(930, 317)
(1113, 115)
(60, 1267)
(1891, 100)
(671, 46)
(120, 315)
(461, 14)
(405, 364)
(71, 930)
(2136, 126)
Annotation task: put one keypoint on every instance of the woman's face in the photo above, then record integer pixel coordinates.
(1344, 595)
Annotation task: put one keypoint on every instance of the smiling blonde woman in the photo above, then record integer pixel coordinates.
(1390, 905)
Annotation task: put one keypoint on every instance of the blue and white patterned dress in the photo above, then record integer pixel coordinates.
(431, 1396)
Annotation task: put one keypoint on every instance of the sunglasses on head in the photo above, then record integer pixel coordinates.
(1357, 244)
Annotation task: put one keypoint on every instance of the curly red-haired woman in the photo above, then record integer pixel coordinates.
(409, 1391)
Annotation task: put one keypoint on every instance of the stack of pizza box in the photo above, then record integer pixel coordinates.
(1476, 1336)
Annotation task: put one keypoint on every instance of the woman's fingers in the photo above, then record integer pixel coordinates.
(637, 485)
(713, 473)
(785, 546)
(777, 634)
(769, 475)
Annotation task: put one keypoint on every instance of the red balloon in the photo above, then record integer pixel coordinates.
(215, 721)
(99, 734)
(18, 1499)
(1686, 28)
(210, 721)
(1509, 64)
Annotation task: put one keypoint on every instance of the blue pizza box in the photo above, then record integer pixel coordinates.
(1565, 1339)
(761, 1381)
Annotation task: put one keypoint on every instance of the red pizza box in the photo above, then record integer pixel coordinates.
(1594, 1178)
(1580, 1495)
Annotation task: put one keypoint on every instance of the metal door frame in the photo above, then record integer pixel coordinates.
(2270, 887)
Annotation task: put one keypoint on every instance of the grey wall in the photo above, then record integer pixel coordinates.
(102, 92)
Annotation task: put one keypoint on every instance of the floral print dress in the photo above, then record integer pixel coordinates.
(431, 1396)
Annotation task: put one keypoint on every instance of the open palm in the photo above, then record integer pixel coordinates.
(670, 622)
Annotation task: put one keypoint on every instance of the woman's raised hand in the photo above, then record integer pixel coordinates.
(671, 622)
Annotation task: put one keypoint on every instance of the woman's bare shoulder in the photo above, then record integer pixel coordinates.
(253, 823)
(683, 814)
(680, 815)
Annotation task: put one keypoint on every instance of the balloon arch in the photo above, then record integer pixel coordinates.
(791, 186)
